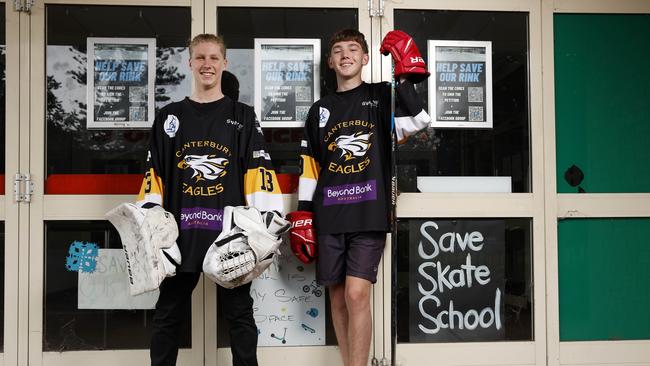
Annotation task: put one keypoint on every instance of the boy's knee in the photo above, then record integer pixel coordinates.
(357, 296)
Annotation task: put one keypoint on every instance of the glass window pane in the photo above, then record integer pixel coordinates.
(240, 27)
(604, 267)
(602, 87)
(82, 161)
(453, 273)
(87, 310)
(504, 150)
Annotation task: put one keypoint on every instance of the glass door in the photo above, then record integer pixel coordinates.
(469, 285)
(78, 310)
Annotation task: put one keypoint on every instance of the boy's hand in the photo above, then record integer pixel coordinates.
(407, 57)
(303, 236)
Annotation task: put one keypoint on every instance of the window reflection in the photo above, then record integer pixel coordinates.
(501, 151)
(240, 27)
(69, 328)
(104, 161)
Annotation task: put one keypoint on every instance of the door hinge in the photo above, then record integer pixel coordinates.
(23, 187)
(377, 362)
(379, 12)
(23, 5)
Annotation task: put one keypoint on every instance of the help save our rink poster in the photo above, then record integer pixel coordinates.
(460, 86)
(120, 82)
(288, 304)
(286, 80)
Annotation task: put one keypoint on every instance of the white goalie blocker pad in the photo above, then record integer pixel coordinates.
(246, 246)
(145, 234)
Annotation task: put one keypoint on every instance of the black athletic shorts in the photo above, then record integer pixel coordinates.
(349, 254)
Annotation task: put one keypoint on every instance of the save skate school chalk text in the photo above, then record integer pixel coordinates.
(436, 278)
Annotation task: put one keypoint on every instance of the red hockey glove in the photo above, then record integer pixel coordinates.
(302, 236)
(407, 57)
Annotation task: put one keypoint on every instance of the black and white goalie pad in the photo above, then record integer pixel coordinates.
(147, 234)
(246, 246)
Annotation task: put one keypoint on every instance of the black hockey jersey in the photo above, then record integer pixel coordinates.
(345, 177)
(203, 157)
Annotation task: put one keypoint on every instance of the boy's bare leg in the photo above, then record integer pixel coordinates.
(340, 319)
(357, 299)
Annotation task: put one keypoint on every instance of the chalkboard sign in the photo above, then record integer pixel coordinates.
(456, 280)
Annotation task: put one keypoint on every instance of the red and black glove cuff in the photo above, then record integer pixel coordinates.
(406, 56)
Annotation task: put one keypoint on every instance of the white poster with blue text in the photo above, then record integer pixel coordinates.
(287, 80)
(107, 286)
(456, 280)
(460, 86)
(120, 78)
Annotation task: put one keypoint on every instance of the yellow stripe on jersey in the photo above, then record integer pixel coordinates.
(261, 180)
(151, 186)
(310, 168)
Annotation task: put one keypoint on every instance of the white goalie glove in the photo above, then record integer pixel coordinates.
(246, 246)
(149, 240)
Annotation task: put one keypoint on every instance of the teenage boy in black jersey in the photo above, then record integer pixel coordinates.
(206, 152)
(345, 179)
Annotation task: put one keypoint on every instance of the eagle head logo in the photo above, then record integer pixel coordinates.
(204, 166)
(352, 146)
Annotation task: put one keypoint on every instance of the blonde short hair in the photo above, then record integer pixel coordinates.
(207, 37)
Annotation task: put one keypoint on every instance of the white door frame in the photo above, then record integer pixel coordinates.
(13, 213)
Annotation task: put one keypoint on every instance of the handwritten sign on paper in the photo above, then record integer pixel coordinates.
(289, 306)
(107, 286)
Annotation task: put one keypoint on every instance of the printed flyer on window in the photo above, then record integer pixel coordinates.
(460, 86)
(120, 78)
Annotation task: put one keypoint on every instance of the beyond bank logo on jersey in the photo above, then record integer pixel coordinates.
(351, 147)
(203, 160)
(350, 193)
(201, 218)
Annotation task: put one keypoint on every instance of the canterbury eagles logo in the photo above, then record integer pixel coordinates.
(352, 146)
(204, 166)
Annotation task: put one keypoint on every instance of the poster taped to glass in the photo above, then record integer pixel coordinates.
(460, 86)
(120, 77)
(286, 83)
